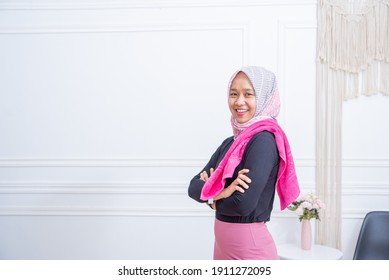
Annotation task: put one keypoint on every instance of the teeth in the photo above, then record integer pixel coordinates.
(241, 111)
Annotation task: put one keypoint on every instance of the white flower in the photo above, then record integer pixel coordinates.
(307, 205)
(300, 210)
(315, 206)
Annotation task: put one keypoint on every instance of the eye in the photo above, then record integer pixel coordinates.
(249, 94)
(233, 94)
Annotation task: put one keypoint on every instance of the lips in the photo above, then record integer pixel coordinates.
(241, 112)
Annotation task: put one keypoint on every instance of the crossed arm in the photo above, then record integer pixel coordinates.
(241, 196)
(239, 184)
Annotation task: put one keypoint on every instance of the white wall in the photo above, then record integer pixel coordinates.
(365, 163)
(108, 109)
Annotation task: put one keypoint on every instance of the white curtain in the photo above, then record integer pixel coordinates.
(353, 60)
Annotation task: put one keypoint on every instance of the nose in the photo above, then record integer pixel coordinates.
(240, 100)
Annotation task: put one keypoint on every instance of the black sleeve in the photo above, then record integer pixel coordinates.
(260, 157)
(196, 185)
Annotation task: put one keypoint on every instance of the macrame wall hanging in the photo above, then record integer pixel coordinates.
(353, 60)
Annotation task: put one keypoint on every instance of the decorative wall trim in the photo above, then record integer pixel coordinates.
(101, 162)
(152, 188)
(110, 187)
(93, 188)
(147, 212)
(282, 47)
(366, 162)
(203, 26)
(365, 189)
(163, 162)
(111, 211)
(358, 214)
(137, 4)
(349, 214)
(354, 189)
(119, 162)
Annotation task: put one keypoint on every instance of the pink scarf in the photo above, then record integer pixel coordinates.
(287, 185)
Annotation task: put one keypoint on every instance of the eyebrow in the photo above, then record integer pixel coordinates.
(246, 89)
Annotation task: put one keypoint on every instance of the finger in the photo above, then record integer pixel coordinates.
(243, 171)
(239, 189)
(242, 183)
(245, 178)
(202, 177)
(212, 171)
(205, 174)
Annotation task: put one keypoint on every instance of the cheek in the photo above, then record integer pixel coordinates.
(231, 105)
(252, 105)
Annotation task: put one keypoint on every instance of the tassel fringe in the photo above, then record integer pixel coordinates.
(353, 40)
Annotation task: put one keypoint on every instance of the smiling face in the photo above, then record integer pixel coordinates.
(241, 98)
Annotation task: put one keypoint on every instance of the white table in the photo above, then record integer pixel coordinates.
(317, 252)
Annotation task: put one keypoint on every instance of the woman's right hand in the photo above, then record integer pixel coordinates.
(240, 184)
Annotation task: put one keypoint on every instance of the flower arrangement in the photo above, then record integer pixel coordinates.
(307, 207)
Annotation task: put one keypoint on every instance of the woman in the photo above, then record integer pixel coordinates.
(240, 179)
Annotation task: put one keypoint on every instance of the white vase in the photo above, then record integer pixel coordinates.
(306, 235)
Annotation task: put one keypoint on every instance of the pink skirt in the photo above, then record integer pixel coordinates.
(243, 241)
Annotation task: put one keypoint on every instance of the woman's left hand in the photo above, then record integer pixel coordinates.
(204, 175)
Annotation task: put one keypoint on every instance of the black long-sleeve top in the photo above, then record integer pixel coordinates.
(256, 203)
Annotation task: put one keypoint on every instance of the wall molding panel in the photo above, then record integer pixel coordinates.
(138, 4)
(152, 188)
(365, 189)
(107, 162)
(283, 28)
(109, 211)
(203, 26)
(50, 29)
(115, 162)
(93, 188)
(366, 163)
(196, 212)
(163, 162)
(146, 212)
